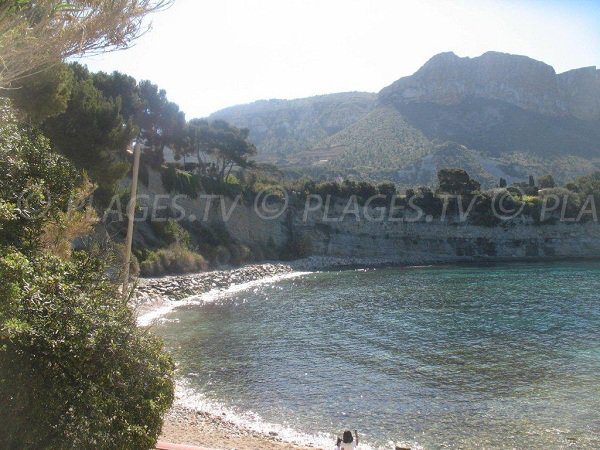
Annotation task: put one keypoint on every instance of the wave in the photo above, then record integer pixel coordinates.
(213, 295)
(188, 397)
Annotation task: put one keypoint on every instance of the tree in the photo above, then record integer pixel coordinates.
(43, 94)
(387, 189)
(456, 182)
(502, 183)
(225, 145)
(37, 34)
(75, 370)
(427, 201)
(545, 182)
(161, 123)
(92, 133)
(120, 87)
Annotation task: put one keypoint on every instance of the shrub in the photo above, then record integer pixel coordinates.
(35, 183)
(175, 259)
(456, 182)
(175, 180)
(170, 232)
(75, 370)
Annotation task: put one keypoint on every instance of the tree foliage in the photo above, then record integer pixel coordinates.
(35, 183)
(224, 146)
(37, 34)
(43, 94)
(456, 182)
(92, 132)
(160, 121)
(75, 370)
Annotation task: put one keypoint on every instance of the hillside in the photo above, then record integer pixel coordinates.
(280, 128)
(496, 115)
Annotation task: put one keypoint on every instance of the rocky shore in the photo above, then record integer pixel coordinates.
(186, 426)
(153, 293)
(183, 425)
(171, 288)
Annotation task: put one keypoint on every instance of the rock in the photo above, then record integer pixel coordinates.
(447, 79)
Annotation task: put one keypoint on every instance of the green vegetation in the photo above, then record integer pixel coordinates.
(380, 141)
(176, 259)
(92, 132)
(75, 370)
(456, 182)
(282, 128)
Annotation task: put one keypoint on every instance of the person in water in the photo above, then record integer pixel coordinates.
(348, 441)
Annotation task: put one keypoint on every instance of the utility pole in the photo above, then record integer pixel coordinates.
(131, 215)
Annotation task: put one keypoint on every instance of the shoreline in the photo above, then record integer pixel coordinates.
(184, 425)
(154, 297)
(168, 292)
(165, 293)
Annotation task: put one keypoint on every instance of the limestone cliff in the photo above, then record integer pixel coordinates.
(329, 232)
(447, 79)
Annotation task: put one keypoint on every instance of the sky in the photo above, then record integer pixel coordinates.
(212, 54)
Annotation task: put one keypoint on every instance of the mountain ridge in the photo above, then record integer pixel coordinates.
(519, 80)
(508, 111)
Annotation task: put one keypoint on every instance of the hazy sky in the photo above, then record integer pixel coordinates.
(218, 53)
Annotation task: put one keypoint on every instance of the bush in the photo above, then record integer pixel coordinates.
(175, 259)
(170, 232)
(456, 182)
(175, 180)
(75, 370)
(35, 183)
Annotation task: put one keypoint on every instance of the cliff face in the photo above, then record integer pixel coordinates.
(323, 234)
(447, 79)
(438, 241)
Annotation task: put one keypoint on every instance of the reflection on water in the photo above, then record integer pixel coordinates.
(499, 356)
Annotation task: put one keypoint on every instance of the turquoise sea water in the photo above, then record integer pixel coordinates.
(502, 356)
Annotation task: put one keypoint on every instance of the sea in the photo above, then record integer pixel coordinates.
(461, 356)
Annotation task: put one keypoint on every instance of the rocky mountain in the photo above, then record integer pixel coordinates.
(531, 85)
(496, 115)
(280, 128)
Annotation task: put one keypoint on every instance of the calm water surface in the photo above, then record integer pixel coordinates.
(503, 356)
